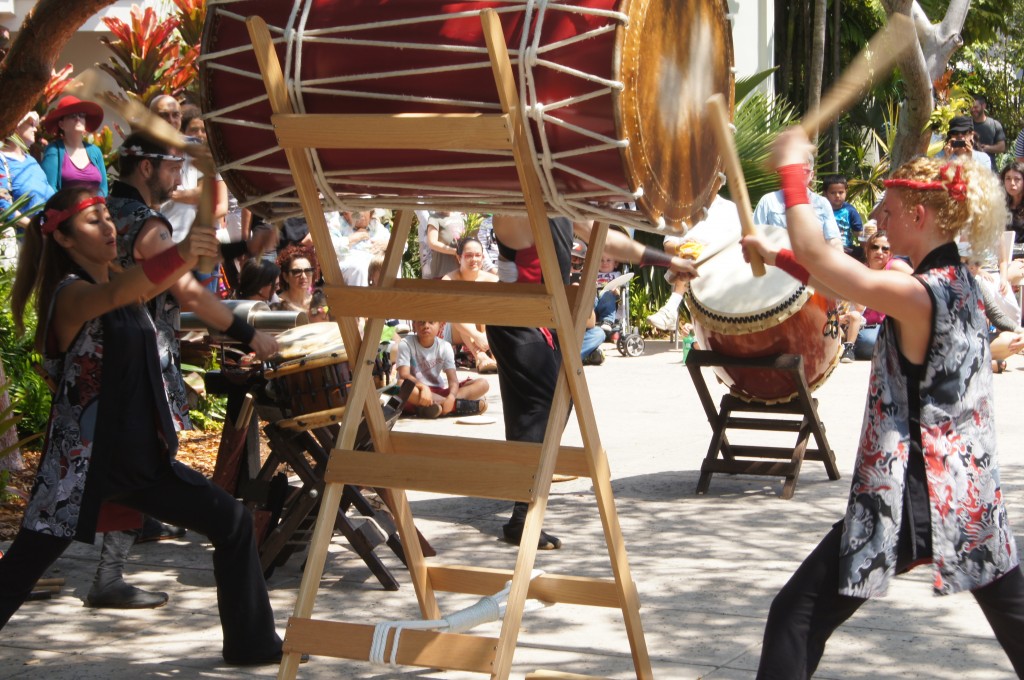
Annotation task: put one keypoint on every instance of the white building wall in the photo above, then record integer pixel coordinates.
(753, 34)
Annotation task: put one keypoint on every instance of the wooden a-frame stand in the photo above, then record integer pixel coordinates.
(513, 471)
(768, 461)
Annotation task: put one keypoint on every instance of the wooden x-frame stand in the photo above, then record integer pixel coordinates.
(513, 471)
(775, 461)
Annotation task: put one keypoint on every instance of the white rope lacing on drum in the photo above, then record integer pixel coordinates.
(487, 609)
(525, 59)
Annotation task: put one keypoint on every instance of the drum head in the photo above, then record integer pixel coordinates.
(674, 56)
(312, 339)
(728, 298)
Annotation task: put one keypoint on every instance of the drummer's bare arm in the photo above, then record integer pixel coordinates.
(625, 249)
(892, 293)
(197, 298)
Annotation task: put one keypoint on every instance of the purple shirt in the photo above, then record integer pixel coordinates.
(71, 174)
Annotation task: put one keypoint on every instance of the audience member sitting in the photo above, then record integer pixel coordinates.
(593, 335)
(1006, 335)
(771, 209)
(357, 237)
(299, 270)
(70, 160)
(429, 361)
(1013, 183)
(258, 280)
(469, 253)
(878, 254)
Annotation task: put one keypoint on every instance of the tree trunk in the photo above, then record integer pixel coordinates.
(27, 68)
(836, 66)
(936, 44)
(817, 61)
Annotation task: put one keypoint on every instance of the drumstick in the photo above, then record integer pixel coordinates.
(877, 59)
(719, 118)
(88, 86)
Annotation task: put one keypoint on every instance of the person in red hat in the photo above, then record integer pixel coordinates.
(70, 160)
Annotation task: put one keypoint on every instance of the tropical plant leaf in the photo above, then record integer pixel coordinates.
(744, 86)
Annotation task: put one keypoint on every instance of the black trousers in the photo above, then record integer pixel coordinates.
(246, 617)
(809, 609)
(527, 374)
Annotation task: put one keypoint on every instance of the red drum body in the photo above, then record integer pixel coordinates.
(614, 91)
(741, 316)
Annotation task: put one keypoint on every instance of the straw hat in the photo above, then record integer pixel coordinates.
(71, 104)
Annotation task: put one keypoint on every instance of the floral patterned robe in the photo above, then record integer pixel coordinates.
(972, 544)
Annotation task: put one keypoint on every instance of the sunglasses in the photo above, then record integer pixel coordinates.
(884, 249)
(76, 115)
(297, 272)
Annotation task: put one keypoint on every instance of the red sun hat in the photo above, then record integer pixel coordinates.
(71, 104)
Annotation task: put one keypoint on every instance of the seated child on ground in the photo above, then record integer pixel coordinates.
(429, 361)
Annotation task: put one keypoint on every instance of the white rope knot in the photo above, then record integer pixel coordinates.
(722, 177)
(487, 609)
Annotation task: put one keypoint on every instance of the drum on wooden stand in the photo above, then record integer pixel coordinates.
(614, 91)
(741, 316)
(313, 375)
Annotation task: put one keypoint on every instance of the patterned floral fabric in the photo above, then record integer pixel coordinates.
(972, 544)
(57, 496)
(130, 213)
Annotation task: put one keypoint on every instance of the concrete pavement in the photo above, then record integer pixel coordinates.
(706, 567)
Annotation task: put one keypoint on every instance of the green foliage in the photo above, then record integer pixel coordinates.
(411, 268)
(30, 397)
(758, 121)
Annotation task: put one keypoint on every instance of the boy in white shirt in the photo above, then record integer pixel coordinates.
(429, 361)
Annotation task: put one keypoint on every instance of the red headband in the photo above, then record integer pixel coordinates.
(54, 218)
(956, 186)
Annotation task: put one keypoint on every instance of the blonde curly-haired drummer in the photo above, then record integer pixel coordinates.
(925, 486)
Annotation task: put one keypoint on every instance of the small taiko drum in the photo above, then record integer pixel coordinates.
(614, 92)
(312, 374)
(741, 316)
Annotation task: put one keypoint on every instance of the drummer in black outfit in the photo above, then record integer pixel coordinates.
(528, 358)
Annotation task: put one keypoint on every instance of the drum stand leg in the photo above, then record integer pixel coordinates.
(769, 461)
(512, 471)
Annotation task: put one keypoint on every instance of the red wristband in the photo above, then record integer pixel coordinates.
(652, 257)
(794, 184)
(158, 268)
(786, 261)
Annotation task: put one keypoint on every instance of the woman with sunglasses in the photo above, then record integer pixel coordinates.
(110, 437)
(865, 322)
(925, 488)
(299, 271)
(70, 160)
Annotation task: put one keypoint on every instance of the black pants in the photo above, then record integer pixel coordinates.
(527, 374)
(809, 608)
(245, 614)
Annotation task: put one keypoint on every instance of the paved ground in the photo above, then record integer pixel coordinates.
(707, 566)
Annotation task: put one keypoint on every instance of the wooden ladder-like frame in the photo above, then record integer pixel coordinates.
(513, 471)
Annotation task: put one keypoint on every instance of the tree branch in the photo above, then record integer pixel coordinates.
(27, 68)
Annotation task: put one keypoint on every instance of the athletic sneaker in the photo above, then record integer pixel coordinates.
(664, 319)
(469, 407)
(848, 356)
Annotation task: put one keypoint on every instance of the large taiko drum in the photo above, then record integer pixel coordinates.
(614, 91)
(741, 316)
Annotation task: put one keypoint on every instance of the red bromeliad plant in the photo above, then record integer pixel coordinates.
(54, 89)
(191, 17)
(148, 58)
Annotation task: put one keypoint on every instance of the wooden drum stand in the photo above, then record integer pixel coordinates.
(512, 471)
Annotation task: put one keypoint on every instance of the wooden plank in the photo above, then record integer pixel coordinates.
(430, 131)
(481, 478)
(531, 311)
(430, 649)
(555, 675)
(579, 590)
(572, 460)
(751, 467)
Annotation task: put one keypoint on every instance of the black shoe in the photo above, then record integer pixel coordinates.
(595, 358)
(155, 530)
(514, 535)
(124, 596)
(468, 407)
(848, 355)
(432, 411)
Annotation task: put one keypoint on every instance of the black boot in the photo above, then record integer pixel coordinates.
(109, 590)
(513, 530)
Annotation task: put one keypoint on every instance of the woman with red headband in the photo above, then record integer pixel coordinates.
(925, 486)
(110, 437)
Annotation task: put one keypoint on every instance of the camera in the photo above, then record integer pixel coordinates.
(958, 144)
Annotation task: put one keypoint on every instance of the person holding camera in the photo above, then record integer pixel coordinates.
(960, 143)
